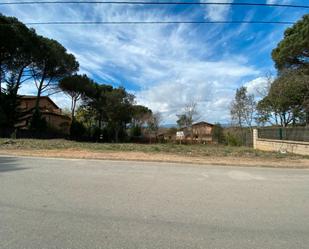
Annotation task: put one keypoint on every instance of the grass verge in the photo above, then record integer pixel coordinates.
(198, 153)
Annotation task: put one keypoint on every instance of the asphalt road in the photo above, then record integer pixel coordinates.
(55, 203)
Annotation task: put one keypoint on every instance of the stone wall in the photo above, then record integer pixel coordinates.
(296, 147)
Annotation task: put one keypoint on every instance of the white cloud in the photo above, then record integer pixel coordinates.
(170, 65)
(217, 12)
(29, 88)
(211, 86)
(259, 86)
(62, 100)
(278, 1)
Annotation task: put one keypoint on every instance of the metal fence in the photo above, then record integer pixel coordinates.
(290, 133)
(238, 136)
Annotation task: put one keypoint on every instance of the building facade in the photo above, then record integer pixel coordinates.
(53, 115)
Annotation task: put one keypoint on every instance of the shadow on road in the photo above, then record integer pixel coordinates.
(8, 164)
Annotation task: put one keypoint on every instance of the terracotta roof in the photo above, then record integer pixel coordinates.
(42, 97)
(203, 123)
(25, 117)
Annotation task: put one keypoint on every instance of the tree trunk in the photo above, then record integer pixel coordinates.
(100, 121)
(37, 102)
(117, 134)
(17, 85)
(73, 107)
(0, 82)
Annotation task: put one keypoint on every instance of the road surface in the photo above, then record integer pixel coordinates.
(57, 203)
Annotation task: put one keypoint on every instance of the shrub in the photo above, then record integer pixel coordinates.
(77, 130)
(135, 131)
(38, 123)
(232, 140)
(218, 134)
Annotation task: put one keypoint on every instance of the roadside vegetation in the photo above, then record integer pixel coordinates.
(107, 114)
(99, 111)
(189, 150)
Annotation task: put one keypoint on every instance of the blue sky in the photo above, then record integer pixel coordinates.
(166, 66)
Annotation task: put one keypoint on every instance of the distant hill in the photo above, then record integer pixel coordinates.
(226, 125)
(168, 126)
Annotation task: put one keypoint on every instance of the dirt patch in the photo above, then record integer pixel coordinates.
(162, 157)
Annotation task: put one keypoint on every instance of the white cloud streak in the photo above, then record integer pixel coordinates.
(167, 65)
(217, 12)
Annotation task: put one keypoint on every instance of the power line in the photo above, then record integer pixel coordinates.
(156, 22)
(157, 3)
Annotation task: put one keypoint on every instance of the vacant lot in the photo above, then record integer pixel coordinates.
(200, 154)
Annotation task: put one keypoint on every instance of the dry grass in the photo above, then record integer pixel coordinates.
(197, 150)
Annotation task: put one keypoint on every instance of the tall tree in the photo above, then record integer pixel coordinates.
(287, 99)
(188, 117)
(16, 55)
(182, 121)
(16, 51)
(140, 114)
(96, 99)
(52, 64)
(119, 109)
(153, 123)
(293, 51)
(243, 108)
(76, 87)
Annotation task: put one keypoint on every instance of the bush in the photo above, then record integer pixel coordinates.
(218, 134)
(38, 123)
(232, 140)
(77, 130)
(135, 131)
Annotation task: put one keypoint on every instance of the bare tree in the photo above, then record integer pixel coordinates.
(250, 109)
(188, 117)
(243, 108)
(263, 116)
(153, 123)
(263, 91)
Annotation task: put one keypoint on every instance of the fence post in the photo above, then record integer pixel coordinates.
(255, 137)
(280, 133)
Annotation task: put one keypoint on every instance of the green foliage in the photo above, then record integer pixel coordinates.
(38, 123)
(232, 140)
(76, 86)
(77, 130)
(140, 115)
(135, 131)
(14, 134)
(16, 54)
(188, 115)
(287, 99)
(9, 107)
(243, 108)
(86, 115)
(51, 64)
(293, 51)
(52, 61)
(3, 118)
(153, 123)
(109, 111)
(218, 134)
(182, 120)
(16, 48)
(106, 110)
(23, 52)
